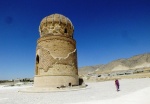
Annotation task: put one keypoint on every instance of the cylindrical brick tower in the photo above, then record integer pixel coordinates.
(56, 53)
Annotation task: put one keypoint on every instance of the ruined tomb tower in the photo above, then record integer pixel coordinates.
(56, 54)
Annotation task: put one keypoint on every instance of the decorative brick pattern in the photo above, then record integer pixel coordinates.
(56, 53)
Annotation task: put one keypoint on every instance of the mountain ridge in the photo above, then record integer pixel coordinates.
(134, 62)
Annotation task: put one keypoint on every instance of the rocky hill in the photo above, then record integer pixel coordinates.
(135, 62)
(89, 69)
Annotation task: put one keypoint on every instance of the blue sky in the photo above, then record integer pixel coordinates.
(105, 30)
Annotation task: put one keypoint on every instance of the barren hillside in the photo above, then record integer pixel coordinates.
(135, 62)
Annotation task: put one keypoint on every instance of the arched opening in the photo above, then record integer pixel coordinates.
(65, 31)
(70, 84)
(37, 64)
(37, 59)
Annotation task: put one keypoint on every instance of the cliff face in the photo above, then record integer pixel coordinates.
(135, 62)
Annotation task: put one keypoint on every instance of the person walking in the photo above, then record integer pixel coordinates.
(117, 84)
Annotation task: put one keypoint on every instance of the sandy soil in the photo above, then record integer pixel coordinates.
(132, 91)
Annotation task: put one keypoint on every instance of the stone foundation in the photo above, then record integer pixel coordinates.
(55, 81)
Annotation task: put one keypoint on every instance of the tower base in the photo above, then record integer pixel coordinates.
(55, 81)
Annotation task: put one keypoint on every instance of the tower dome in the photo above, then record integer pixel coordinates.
(56, 24)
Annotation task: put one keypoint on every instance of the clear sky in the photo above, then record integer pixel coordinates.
(105, 30)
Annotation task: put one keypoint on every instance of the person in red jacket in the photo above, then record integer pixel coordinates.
(117, 84)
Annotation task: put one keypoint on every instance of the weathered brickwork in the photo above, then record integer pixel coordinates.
(56, 25)
(56, 53)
